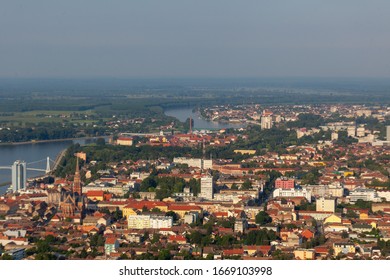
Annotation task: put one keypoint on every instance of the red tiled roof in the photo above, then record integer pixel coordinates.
(176, 207)
(111, 240)
(177, 238)
(95, 193)
(232, 252)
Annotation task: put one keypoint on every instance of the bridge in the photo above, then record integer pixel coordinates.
(19, 171)
(47, 170)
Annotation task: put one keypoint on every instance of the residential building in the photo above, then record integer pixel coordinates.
(266, 122)
(326, 204)
(304, 254)
(240, 225)
(292, 193)
(363, 194)
(351, 131)
(388, 133)
(125, 141)
(284, 183)
(206, 187)
(149, 221)
(334, 136)
(111, 245)
(333, 190)
(343, 248)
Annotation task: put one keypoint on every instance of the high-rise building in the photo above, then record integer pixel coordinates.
(266, 122)
(360, 131)
(19, 176)
(388, 133)
(335, 136)
(351, 130)
(206, 187)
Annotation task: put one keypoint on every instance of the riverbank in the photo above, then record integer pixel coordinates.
(53, 140)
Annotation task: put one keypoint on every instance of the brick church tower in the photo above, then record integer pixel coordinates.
(77, 181)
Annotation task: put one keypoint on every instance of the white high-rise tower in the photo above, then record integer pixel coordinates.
(19, 176)
(206, 187)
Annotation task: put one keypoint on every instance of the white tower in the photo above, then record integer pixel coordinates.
(388, 133)
(19, 176)
(206, 187)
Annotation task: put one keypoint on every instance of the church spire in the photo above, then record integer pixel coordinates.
(77, 180)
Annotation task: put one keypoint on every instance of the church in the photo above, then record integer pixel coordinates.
(73, 201)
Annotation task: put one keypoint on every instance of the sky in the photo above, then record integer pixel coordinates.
(194, 38)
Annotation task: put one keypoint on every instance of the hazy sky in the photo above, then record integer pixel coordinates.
(194, 38)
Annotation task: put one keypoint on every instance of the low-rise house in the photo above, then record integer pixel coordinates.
(304, 254)
(233, 253)
(343, 248)
(177, 239)
(111, 245)
(361, 228)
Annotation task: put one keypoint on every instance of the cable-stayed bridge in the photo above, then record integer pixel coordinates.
(19, 171)
(47, 170)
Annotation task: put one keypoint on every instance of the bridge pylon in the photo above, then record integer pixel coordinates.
(47, 165)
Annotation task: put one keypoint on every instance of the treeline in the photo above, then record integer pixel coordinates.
(47, 132)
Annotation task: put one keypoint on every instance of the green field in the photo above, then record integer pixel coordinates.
(41, 116)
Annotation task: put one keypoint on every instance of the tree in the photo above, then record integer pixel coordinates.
(195, 237)
(263, 218)
(123, 256)
(174, 216)
(147, 183)
(164, 255)
(344, 234)
(100, 142)
(6, 257)
(246, 185)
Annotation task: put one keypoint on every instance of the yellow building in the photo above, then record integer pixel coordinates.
(304, 254)
(363, 216)
(181, 210)
(131, 208)
(343, 248)
(332, 219)
(248, 152)
(128, 211)
(348, 173)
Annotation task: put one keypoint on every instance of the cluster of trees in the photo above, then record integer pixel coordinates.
(166, 186)
(307, 120)
(262, 218)
(46, 249)
(384, 246)
(42, 131)
(110, 153)
(259, 237)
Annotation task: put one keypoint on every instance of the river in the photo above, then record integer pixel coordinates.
(199, 123)
(39, 151)
(31, 153)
